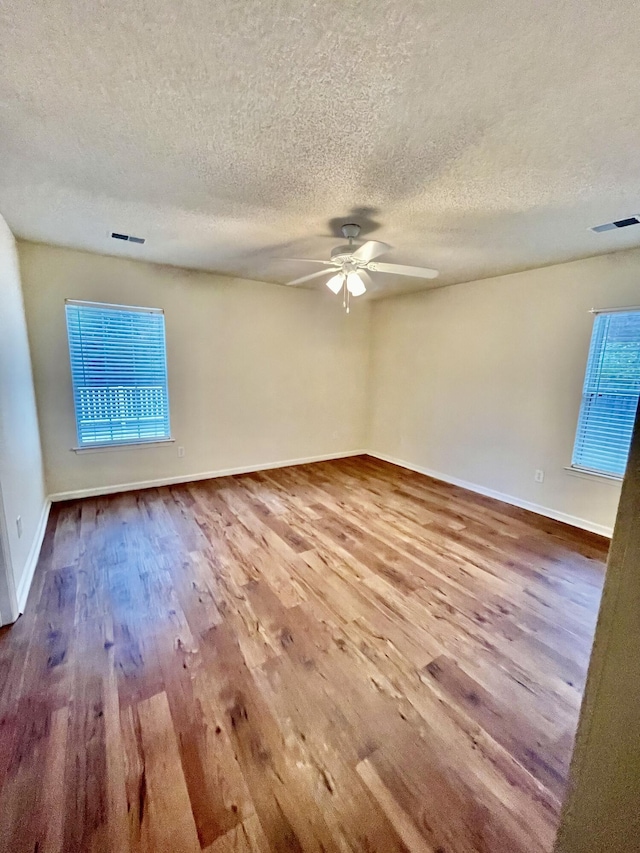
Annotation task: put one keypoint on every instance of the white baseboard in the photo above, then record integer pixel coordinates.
(573, 520)
(22, 592)
(190, 478)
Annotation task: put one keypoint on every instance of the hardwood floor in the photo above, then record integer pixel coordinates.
(343, 656)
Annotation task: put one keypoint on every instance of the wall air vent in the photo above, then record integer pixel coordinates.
(619, 223)
(128, 237)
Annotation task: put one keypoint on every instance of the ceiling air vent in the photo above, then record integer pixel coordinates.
(619, 223)
(128, 237)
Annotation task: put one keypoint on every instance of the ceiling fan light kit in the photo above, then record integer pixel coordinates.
(351, 266)
(336, 283)
(355, 284)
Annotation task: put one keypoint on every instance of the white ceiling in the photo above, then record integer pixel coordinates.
(476, 137)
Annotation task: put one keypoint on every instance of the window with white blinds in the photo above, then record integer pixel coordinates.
(119, 373)
(610, 394)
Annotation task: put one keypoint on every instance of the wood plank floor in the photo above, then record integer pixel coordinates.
(343, 656)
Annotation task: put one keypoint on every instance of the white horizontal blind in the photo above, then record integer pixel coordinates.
(119, 373)
(610, 394)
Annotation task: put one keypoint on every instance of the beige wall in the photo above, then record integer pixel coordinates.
(258, 373)
(481, 382)
(22, 491)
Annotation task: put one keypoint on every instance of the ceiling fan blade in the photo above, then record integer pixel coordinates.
(309, 277)
(401, 269)
(307, 261)
(371, 249)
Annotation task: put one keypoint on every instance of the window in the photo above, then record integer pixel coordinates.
(610, 394)
(119, 373)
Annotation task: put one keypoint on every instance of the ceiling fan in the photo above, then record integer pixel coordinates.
(350, 266)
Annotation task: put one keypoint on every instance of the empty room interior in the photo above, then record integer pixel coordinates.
(319, 479)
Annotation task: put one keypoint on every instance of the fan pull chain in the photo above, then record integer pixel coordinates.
(345, 281)
(346, 296)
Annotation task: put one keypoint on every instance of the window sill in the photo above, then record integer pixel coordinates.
(587, 474)
(129, 445)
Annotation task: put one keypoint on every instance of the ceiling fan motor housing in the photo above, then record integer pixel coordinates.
(342, 253)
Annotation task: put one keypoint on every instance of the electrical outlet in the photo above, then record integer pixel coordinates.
(181, 452)
(19, 525)
(539, 475)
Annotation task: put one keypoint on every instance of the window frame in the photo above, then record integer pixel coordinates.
(90, 447)
(575, 468)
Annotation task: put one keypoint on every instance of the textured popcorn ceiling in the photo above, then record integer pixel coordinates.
(476, 137)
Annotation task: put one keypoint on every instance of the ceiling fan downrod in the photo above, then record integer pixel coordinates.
(350, 231)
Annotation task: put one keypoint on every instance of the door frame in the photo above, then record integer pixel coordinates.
(8, 597)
